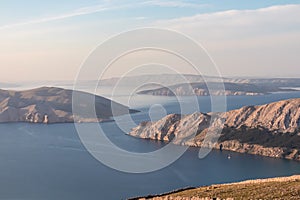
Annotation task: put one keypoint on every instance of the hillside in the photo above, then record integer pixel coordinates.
(52, 105)
(272, 188)
(268, 130)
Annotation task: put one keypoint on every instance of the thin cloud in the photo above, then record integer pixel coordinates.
(177, 4)
(75, 13)
(247, 42)
(102, 8)
(233, 23)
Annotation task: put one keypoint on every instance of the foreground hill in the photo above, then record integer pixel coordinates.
(268, 130)
(273, 188)
(52, 105)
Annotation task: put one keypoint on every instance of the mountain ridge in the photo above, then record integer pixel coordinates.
(269, 130)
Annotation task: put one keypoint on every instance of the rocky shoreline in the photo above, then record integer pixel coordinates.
(269, 130)
(255, 149)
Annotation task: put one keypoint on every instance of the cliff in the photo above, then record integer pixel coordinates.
(52, 105)
(268, 130)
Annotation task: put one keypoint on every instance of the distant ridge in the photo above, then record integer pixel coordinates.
(211, 88)
(172, 79)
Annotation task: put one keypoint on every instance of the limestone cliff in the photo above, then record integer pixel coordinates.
(268, 130)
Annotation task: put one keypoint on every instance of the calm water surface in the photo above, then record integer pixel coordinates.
(49, 161)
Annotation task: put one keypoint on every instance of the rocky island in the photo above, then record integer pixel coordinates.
(269, 130)
(215, 89)
(53, 105)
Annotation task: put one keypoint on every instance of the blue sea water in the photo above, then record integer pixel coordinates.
(50, 162)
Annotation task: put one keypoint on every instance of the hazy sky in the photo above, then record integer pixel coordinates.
(48, 40)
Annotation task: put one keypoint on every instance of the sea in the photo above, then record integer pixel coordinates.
(40, 161)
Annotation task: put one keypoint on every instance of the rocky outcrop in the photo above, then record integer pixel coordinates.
(269, 130)
(53, 105)
(282, 116)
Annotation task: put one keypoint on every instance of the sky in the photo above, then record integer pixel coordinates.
(49, 40)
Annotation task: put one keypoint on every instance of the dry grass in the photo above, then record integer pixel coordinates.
(276, 188)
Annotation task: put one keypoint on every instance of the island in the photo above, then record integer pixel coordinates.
(54, 105)
(173, 79)
(191, 84)
(268, 130)
(215, 89)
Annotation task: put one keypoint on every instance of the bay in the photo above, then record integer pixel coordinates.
(49, 161)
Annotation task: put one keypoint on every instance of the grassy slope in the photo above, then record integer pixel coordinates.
(275, 188)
